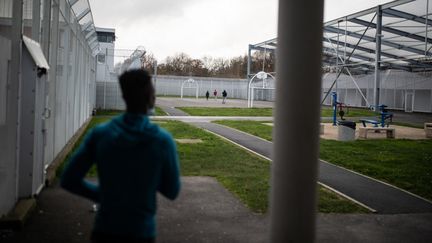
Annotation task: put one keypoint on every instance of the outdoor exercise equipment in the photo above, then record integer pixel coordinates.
(385, 118)
(338, 108)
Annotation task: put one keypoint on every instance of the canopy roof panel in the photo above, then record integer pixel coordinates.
(84, 17)
(406, 37)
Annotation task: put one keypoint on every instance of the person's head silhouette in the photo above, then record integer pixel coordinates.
(138, 91)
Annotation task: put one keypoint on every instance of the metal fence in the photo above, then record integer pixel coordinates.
(398, 90)
(108, 95)
(62, 99)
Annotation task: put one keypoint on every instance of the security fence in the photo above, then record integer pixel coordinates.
(108, 95)
(40, 113)
(398, 90)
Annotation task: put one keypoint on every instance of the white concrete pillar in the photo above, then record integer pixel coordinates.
(296, 132)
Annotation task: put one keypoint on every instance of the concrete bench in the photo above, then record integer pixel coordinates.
(390, 132)
(428, 129)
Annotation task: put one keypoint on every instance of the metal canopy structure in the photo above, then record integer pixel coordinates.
(396, 35)
(393, 36)
(84, 17)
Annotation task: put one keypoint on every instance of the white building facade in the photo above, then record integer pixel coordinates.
(105, 58)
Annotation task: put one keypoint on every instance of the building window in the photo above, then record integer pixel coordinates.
(102, 38)
(101, 58)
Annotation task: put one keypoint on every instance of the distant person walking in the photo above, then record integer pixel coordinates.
(135, 159)
(215, 94)
(207, 94)
(224, 95)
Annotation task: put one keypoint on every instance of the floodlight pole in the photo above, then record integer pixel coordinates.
(426, 27)
(377, 57)
(296, 141)
(248, 72)
(155, 75)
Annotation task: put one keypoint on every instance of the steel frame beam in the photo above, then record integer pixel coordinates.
(83, 14)
(72, 2)
(372, 39)
(393, 31)
(349, 73)
(367, 11)
(86, 26)
(259, 48)
(89, 34)
(407, 16)
(361, 48)
(378, 42)
(356, 56)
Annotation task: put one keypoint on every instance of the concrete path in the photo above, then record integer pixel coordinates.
(383, 198)
(214, 118)
(171, 111)
(206, 212)
(202, 102)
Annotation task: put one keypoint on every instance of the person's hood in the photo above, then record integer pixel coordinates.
(134, 128)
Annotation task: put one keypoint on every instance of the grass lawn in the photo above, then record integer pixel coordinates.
(256, 128)
(158, 112)
(242, 173)
(400, 162)
(221, 111)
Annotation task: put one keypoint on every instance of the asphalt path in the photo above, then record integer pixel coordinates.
(379, 196)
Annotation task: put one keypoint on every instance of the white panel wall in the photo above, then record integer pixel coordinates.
(108, 94)
(394, 85)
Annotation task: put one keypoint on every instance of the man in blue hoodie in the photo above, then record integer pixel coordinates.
(134, 159)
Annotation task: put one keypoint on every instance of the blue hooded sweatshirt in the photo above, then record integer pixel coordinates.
(134, 158)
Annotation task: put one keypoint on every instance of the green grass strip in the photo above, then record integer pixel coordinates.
(242, 173)
(108, 112)
(351, 112)
(228, 111)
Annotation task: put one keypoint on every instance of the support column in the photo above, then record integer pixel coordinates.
(377, 58)
(248, 76)
(13, 117)
(36, 20)
(296, 141)
(155, 75)
(248, 63)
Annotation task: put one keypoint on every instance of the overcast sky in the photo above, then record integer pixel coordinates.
(218, 28)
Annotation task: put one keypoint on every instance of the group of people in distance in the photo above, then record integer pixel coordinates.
(215, 93)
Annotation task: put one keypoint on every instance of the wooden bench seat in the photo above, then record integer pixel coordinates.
(390, 132)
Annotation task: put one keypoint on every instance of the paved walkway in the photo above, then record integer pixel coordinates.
(206, 212)
(378, 196)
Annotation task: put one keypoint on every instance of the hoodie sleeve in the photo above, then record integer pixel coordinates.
(80, 163)
(169, 184)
